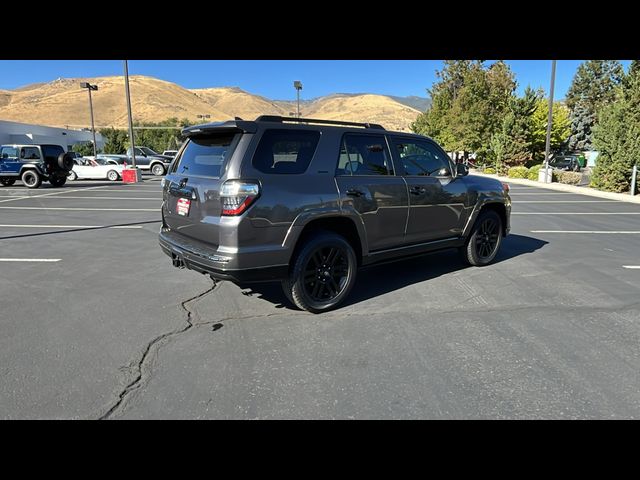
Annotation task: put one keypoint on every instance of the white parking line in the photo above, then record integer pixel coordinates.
(30, 259)
(545, 193)
(84, 209)
(60, 192)
(97, 198)
(588, 231)
(565, 201)
(634, 267)
(572, 213)
(69, 226)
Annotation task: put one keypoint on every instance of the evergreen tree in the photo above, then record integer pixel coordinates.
(582, 122)
(617, 137)
(594, 84)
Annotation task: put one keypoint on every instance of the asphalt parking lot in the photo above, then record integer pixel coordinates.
(96, 323)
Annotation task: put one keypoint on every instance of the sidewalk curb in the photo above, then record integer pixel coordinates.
(623, 197)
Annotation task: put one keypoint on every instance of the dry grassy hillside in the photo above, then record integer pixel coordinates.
(62, 102)
(238, 103)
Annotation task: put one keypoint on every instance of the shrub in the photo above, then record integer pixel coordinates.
(532, 174)
(490, 170)
(570, 178)
(518, 172)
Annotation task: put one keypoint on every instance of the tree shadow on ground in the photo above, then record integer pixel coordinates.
(385, 278)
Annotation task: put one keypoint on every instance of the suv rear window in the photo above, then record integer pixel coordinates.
(206, 156)
(285, 151)
(51, 152)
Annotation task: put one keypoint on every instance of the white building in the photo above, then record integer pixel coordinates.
(28, 134)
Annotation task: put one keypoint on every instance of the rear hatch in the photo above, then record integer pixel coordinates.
(191, 192)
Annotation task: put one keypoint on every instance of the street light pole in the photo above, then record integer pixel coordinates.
(126, 88)
(298, 86)
(547, 147)
(90, 87)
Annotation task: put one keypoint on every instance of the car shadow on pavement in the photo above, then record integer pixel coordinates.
(385, 278)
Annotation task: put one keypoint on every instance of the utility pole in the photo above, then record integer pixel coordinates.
(126, 88)
(90, 87)
(547, 147)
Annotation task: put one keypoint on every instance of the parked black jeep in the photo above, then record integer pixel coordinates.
(34, 164)
(307, 202)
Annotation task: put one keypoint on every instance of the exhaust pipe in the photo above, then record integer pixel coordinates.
(177, 261)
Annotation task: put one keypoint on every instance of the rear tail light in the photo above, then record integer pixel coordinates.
(505, 186)
(237, 196)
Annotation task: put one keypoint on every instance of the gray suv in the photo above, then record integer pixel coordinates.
(307, 202)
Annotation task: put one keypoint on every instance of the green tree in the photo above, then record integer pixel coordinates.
(616, 136)
(84, 148)
(592, 88)
(560, 127)
(469, 102)
(582, 122)
(594, 84)
(115, 140)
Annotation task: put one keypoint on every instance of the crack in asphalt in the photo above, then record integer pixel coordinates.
(143, 366)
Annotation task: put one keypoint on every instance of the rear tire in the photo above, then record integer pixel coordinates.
(323, 273)
(31, 179)
(158, 169)
(65, 161)
(57, 182)
(7, 182)
(485, 239)
(112, 175)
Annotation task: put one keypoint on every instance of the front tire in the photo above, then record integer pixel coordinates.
(112, 175)
(73, 176)
(158, 169)
(485, 240)
(31, 179)
(7, 182)
(323, 273)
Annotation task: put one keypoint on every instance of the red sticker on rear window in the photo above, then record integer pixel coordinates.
(183, 206)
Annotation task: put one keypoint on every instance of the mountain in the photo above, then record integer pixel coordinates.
(63, 103)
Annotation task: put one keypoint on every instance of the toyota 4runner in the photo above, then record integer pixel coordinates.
(307, 202)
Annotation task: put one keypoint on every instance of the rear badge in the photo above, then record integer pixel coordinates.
(183, 206)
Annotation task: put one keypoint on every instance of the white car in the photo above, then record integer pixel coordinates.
(86, 168)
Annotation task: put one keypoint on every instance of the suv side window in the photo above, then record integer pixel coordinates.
(285, 151)
(364, 155)
(421, 158)
(9, 153)
(30, 153)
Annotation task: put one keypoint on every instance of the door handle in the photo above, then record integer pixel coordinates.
(354, 192)
(417, 190)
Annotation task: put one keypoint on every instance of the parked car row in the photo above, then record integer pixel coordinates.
(34, 164)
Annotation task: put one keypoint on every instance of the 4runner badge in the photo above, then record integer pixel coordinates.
(183, 206)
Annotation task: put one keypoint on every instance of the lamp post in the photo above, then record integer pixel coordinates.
(549, 122)
(90, 87)
(128, 95)
(298, 86)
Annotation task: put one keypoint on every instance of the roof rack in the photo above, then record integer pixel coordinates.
(279, 119)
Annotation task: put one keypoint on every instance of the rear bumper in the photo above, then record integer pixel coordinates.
(185, 254)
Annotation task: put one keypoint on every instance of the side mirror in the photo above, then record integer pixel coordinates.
(462, 170)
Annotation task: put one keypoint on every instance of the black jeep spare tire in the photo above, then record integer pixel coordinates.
(65, 161)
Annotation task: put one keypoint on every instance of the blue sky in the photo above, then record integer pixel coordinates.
(274, 78)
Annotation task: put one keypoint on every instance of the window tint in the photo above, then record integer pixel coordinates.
(421, 158)
(364, 155)
(9, 152)
(30, 153)
(206, 155)
(52, 152)
(285, 151)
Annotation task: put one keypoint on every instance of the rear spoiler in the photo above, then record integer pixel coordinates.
(237, 125)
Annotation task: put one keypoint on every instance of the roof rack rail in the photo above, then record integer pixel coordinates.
(279, 119)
